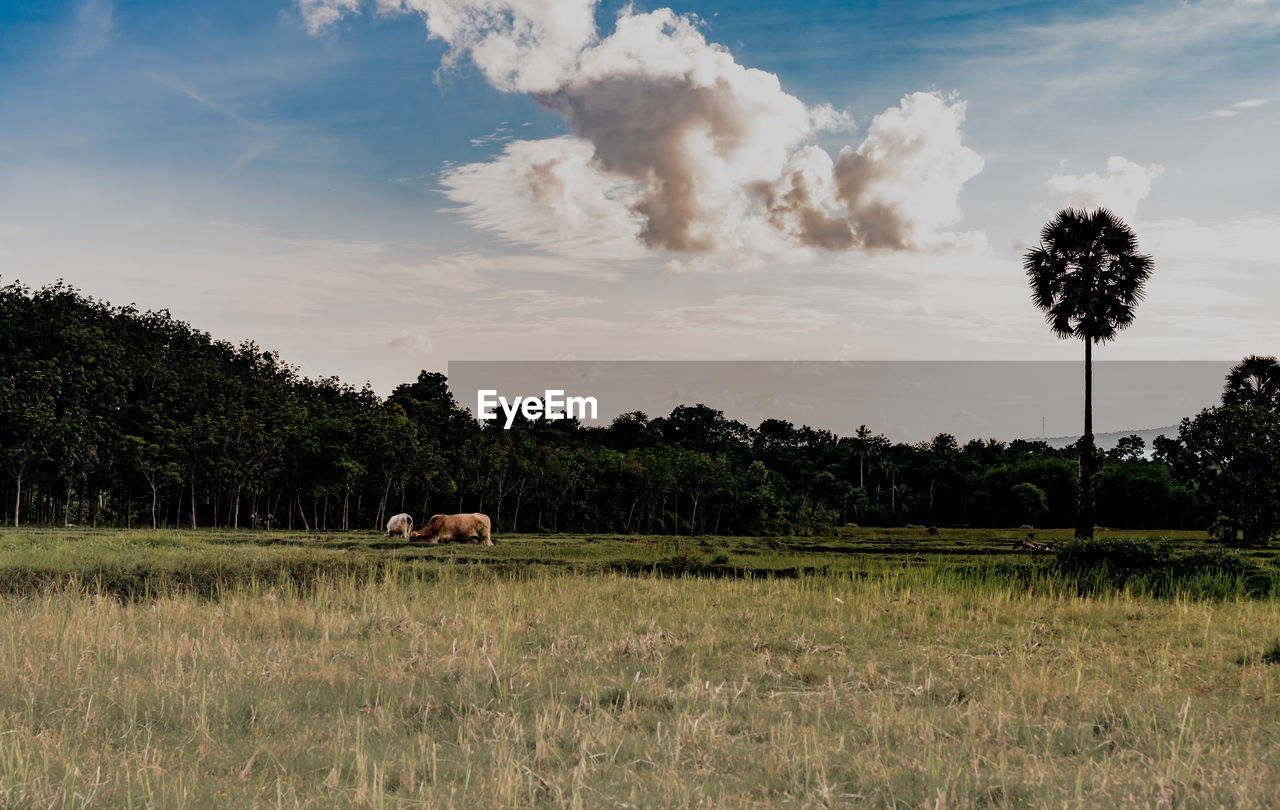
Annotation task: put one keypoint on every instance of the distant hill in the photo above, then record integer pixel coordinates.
(1108, 441)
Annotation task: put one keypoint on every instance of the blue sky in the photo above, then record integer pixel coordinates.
(353, 184)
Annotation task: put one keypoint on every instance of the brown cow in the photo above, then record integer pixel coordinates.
(454, 529)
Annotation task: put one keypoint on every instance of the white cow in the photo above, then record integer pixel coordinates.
(401, 524)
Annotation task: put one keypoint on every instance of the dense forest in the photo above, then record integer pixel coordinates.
(111, 416)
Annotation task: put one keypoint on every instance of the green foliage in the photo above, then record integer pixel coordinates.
(1254, 381)
(1122, 557)
(1086, 274)
(114, 417)
(1224, 530)
(1158, 568)
(1138, 494)
(1232, 454)
(1030, 500)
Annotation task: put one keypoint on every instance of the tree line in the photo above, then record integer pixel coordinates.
(112, 416)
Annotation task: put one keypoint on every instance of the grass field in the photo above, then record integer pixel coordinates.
(885, 668)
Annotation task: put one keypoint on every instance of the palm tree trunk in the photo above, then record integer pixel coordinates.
(1084, 486)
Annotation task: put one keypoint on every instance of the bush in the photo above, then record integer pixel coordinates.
(1120, 557)
(1224, 530)
(1154, 568)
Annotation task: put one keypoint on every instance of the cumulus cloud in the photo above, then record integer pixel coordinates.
(676, 147)
(1121, 188)
(901, 186)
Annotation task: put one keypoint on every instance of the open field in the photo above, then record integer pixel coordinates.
(877, 668)
(141, 563)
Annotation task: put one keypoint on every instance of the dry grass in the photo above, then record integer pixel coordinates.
(613, 691)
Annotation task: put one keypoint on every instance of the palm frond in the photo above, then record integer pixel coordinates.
(1086, 275)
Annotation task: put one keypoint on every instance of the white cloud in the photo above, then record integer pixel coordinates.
(519, 45)
(902, 185)
(548, 194)
(676, 147)
(320, 14)
(1121, 188)
(1231, 111)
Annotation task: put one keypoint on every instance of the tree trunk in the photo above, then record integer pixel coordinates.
(1084, 485)
(17, 503)
(298, 500)
(382, 506)
(193, 499)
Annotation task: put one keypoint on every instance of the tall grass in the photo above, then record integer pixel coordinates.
(373, 689)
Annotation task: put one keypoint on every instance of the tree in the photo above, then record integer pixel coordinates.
(1129, 448)
(1031, 502)
(1255, 380)
(1234, 458)
(1087, 277)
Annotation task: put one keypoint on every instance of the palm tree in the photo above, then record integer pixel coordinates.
(1087, 277)
(1255, 381)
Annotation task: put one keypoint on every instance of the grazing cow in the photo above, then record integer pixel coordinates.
(401, 524)
(455, 529)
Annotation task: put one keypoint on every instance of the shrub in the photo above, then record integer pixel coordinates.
(1155, 568)
(1119, 557)
(1224, 530)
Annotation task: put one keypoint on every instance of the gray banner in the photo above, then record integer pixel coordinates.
(906, 401)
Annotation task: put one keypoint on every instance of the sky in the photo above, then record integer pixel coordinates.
(373, 187)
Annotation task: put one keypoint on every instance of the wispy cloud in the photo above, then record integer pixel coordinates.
(536, 302)
(259, 138)
(1232, 110)
(1128, 46)
(760, 316)
(93, 29)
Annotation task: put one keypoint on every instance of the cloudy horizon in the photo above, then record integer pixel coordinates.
(374, 187)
